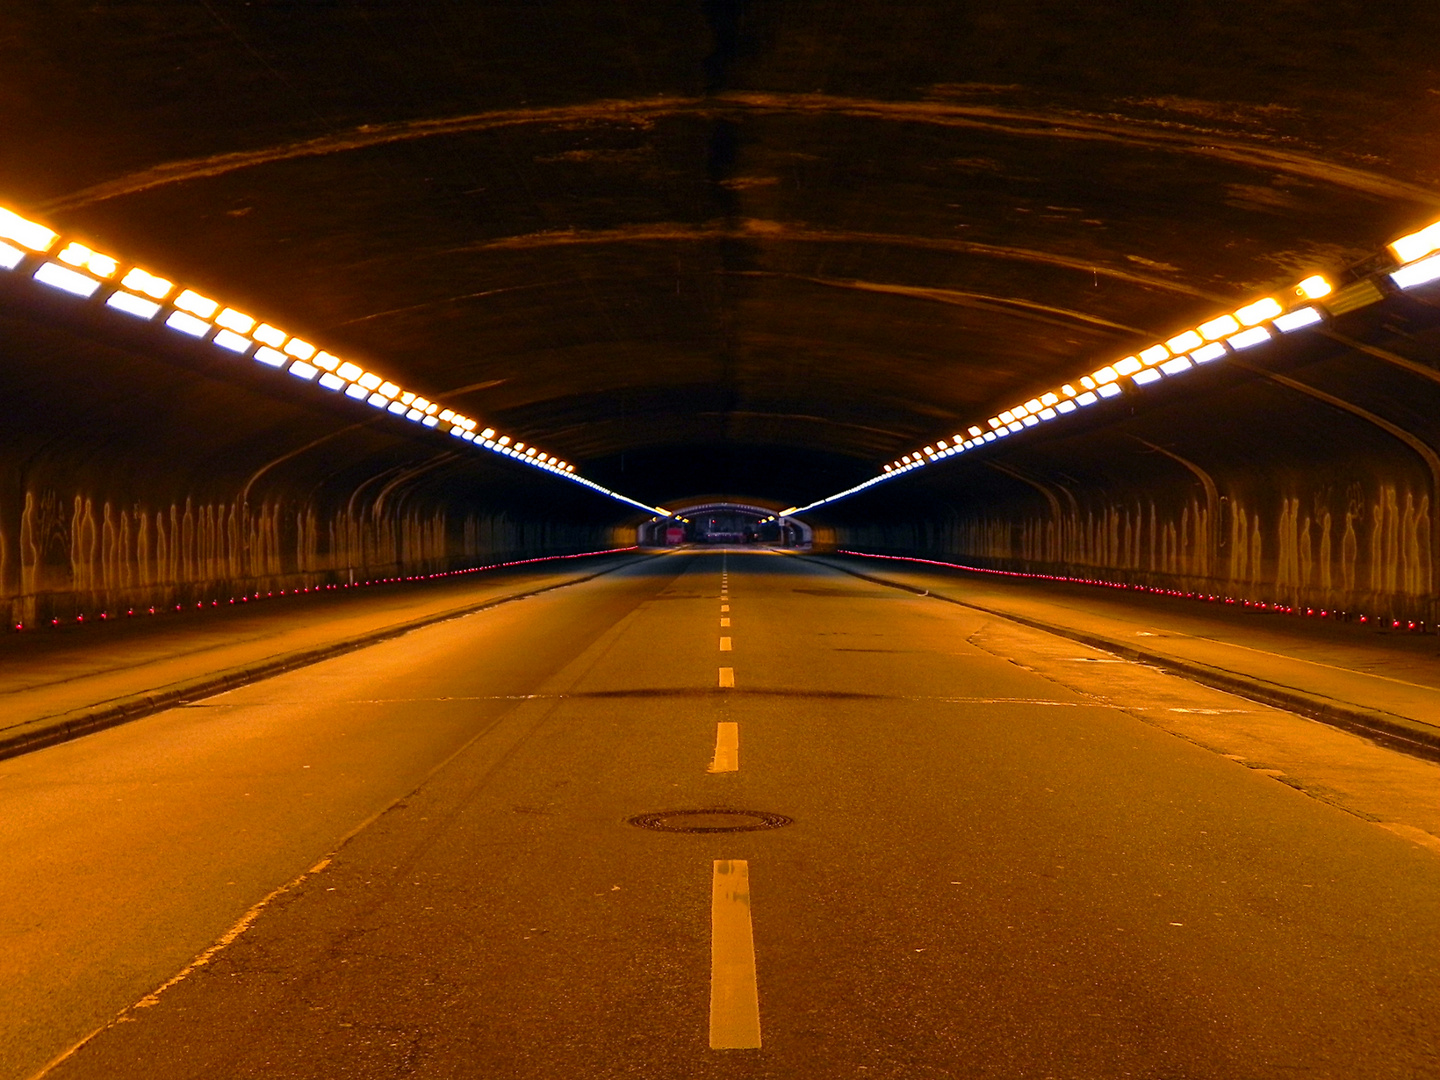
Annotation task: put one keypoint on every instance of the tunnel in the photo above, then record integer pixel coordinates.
(743, 537)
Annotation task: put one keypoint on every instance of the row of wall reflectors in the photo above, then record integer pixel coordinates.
(79, 270)
(245, 598)
(1245, 328)
(1275, 606)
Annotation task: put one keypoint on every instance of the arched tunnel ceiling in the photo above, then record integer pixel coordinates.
(754, 248)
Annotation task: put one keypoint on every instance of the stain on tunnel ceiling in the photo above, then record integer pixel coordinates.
(755, 248)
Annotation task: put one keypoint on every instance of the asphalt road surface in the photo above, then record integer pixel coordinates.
(417, 860)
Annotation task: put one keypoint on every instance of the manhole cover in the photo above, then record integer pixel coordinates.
(708, 821)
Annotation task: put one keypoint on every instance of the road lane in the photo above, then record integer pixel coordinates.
(991, 872)
(127, 852)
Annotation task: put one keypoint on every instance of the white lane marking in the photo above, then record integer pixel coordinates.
(727, 677)
(724, 622)
(734, 995)
(727, 748)
(725, 644)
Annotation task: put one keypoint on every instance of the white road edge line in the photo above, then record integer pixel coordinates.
(734, 994)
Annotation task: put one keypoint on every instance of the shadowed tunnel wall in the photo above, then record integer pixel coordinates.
(1308, 480)
(136, 474)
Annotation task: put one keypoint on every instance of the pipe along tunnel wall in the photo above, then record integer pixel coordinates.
(135, 476)
(1307, 482)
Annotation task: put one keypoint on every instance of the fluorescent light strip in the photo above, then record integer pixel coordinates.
(1151, 364)
(1417, 273)
(10, 256)
(66, 280)
(131, 304)
(228, 339)
(187, 324)
(238, 332)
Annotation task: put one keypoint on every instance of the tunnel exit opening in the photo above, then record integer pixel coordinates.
(725, 523)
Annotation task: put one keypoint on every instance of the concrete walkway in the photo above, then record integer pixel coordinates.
(56, 685)
(1381, 684)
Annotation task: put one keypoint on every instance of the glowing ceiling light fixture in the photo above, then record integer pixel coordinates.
(145, 282)
(131, 304)
(1248, 339)
(1406, 249)
(27, 233)
(78, 254)
(1182, 343)
(228, 339)
(1224, 326)
(1417, 273)
(1147, 375)
(1298, 319)
(1128, 366)
(269, 335)
(1314, 287)
(187, 324)
(235, 321)
(1153, 355)
(196, 304)
(1177, 365)
(974, 431)
(1109, 390)
(77, 266)
(1206, 353)
(66, 280)
(1260, 311)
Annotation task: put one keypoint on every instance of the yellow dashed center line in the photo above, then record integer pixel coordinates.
(724, 644)
(727, 748)
(727, 678)
(724, 622)
(734, 995)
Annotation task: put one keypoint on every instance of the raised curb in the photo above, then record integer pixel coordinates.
(1389, 729)
(49, 730)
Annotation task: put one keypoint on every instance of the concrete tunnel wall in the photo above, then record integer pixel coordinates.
(135, 474)
(1308, 482)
